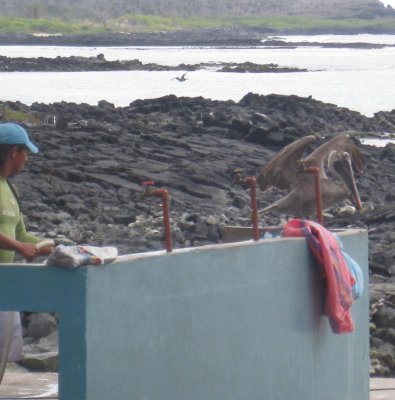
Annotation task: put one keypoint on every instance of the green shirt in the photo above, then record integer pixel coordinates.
(11, 221)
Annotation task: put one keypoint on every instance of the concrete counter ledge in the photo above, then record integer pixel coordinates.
(222, 322)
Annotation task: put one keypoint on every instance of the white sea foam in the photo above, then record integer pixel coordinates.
(377, 142)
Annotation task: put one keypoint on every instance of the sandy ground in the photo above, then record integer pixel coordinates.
(382, 389)
(21, 384)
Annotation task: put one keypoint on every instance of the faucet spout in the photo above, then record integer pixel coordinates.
(164, 195)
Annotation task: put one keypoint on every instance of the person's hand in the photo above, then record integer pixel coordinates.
(46, 250)
(29, 251)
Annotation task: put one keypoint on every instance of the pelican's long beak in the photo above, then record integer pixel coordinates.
(344, 168)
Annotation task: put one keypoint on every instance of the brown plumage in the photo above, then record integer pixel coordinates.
(288, 171)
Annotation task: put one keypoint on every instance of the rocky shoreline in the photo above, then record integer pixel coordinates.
(99, 63)
(215, 37)
(85, 184)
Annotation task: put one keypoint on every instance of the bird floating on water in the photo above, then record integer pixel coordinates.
(181, 78)
(289, 171)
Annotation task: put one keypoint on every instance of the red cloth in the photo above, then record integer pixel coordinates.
(328, 253)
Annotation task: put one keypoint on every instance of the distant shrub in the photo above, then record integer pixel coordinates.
(9, 114)
(49, 26)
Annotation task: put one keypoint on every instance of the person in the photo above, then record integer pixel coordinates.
(15, 146)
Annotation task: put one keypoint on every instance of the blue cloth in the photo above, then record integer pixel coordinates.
(355, 271)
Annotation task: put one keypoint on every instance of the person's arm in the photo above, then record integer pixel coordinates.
(26, 238)
(46, 250)
(26, 250)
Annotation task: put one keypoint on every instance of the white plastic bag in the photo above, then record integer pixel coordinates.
(76, 256)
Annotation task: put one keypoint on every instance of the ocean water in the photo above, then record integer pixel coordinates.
(362, 80)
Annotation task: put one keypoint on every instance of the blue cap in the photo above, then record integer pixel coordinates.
(11, 133)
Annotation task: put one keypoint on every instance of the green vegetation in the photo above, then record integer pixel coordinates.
(49, 26)
(289, 23)
(144, 23)
(9, 114)
(294, 23)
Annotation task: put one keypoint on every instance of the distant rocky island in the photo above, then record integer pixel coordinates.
(99, 63)
(219, 37)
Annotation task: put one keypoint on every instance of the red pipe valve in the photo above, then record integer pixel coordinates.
(164, 195)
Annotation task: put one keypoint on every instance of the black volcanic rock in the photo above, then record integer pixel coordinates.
(99, 63)
(85, 184)
(225, 36)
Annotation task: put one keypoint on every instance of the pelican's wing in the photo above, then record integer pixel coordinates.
(282, 169)
(300, 201)
(343, 142)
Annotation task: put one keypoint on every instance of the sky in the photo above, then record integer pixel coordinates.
(390, 2)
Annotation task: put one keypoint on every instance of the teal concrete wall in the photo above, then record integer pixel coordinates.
(41, 289)
(240, 321)
(236, 321)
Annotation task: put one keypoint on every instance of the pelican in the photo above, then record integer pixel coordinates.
(287, 170)
(181, 78)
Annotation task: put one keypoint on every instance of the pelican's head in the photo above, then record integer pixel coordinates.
(336, 156)
(340, 165)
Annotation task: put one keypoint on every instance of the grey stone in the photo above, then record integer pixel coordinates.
(41, 362)
(40, 325)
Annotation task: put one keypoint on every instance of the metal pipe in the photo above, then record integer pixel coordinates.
(164, 195)
(251, 182)
(318, 198)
